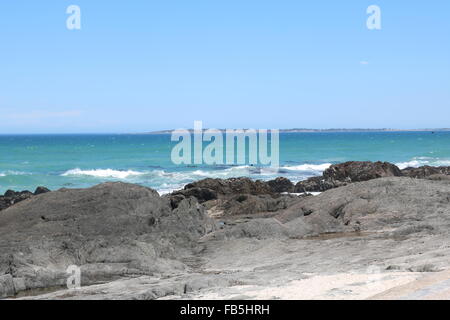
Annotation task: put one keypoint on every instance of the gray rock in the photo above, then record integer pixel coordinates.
(6, 286)
(247, 204)
(377, 204)
(111, 230)
(131, 238)
(438, 177)
(406, 204)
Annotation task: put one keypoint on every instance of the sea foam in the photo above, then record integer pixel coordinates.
(309, 167)
(165, 181)
(102, 173)
(423, 161)
(13, 173)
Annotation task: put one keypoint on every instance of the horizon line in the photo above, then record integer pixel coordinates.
(291, 130)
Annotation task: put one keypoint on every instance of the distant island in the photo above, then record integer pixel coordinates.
(302, 130)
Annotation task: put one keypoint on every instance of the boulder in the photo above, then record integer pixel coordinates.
(12, 197)
(344, 173)
(237, 196)
(9, 193)
(110, 231)
(316, 184)
(41, 190)
(201, 194)
(280, 185)
(357, 171)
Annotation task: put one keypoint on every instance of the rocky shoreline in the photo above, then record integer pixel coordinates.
(228, 238)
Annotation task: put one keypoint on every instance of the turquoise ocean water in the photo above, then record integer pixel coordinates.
(74, 161)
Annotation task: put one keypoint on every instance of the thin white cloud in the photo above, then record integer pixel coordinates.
(364, 63)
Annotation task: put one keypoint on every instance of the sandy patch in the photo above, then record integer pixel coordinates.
(322, 287)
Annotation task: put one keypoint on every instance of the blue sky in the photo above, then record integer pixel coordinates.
(147, 65)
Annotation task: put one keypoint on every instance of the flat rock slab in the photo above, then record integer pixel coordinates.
(110, 231)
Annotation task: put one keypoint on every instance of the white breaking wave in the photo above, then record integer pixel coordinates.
(202, 174)
(260, 171)
(303, 193)
(223, 172)
(423, 161)
(412, 163)
(102, 173)
(13, 173)
(230, 172)
(168, 181)
(309, 167)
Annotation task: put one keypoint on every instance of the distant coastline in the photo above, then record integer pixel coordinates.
(169, 131)
(302, 130)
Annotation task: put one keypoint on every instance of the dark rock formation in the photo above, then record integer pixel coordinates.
(342, 174)
(232, 186)
(235, 195)
(316, 184)
(425, 171)
(201, 194)
(246, 196)
(356, 171)
(41, 190)
(238, 196)
(111, 230)
(12, 197)
(280, 185)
